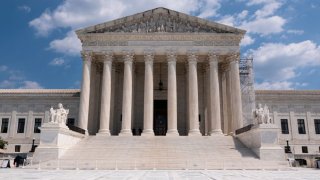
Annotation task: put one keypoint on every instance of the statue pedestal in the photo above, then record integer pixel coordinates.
(262, 139)
(55, 139)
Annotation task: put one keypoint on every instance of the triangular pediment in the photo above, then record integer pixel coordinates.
(161, 20)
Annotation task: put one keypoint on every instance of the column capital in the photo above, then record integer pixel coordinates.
(171, 56)
(107, 56)
(213, 59)
(86, 55)
(233, 57)
(148, 56)
(128, 56)
(192, 56)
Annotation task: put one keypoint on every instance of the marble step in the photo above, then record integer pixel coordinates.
(182, 152)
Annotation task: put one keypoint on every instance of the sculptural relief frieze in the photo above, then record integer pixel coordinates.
(160, 23)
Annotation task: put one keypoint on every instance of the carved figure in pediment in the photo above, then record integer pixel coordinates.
(196, 28)
(152, 25)
(169, 26)
(189, 27)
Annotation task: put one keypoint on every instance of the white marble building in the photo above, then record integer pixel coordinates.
(297, 113)
(161, 73)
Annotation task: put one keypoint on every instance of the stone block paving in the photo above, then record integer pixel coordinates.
(296, 174)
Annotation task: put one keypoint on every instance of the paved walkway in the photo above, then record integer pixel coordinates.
(298, 174)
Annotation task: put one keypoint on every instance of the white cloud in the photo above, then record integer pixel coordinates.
(3, 68)
(208, 8)
(16, 75)
(25, 8)
(243, 14)
(30, 85)
(57, 62)
(265, 26)
(268, 9)
(70, 45)
(295, 31)
(16, 79)
(228, 20)
(280, 62)
(263, 21)
(284, 85)
(6, 84)
(279, 85)
(247, 40)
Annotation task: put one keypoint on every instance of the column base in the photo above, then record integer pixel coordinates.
(103, 132)
(147, 132)
(172, 132)
(125, 132)
(194, 132)
(216, 132)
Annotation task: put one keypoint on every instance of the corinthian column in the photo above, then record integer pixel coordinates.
(214, 95)
(85, 91)
(148, 95)
(172, 95)
(127, 95)
(235, 92)
(193, 95)
(106, 95)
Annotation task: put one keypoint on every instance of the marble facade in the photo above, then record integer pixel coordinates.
(187, 55)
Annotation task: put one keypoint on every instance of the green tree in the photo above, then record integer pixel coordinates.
(3, 143)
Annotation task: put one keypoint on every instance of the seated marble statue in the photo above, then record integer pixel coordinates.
(261, 114)
(59, 116)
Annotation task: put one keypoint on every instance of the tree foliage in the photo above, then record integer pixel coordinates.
(3, 143)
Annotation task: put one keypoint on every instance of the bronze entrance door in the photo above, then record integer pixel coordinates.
(160, 117)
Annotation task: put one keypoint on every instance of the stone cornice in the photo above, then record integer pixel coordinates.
(286, 96)
(287, 92)
(40, 92)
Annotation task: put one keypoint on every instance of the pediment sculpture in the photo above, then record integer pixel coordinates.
(262, 115)
(59, 116)
(161, 23)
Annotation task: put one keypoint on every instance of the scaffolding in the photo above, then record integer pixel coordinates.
(247, 89)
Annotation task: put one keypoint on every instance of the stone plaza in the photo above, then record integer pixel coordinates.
(298, 174)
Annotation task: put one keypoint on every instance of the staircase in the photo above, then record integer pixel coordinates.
(161, 152)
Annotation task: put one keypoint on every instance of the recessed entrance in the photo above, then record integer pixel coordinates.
(160, 117)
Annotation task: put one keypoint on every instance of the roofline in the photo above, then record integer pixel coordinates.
(39, 91)
(289, 92)
(82, 30)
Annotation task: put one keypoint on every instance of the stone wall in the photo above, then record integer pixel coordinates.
(31, 104)
(294, 105)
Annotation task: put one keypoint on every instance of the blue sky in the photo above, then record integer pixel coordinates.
(40, 50)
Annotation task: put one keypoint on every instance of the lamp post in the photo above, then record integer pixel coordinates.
(32, 147)
(287, 148)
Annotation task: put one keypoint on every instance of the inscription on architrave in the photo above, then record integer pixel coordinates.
(161, 43)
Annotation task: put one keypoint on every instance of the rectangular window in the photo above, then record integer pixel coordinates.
(304, 149)
(37, 124)
(4, 125)
(284, 126)
(317, 125)
(301, 126)
(17, 148)
(21, 123)
(70, 121)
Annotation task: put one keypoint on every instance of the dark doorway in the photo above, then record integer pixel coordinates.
(160, 117)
